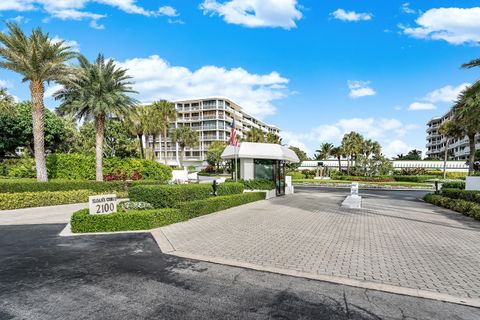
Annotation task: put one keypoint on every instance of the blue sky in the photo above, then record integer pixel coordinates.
(316, 69)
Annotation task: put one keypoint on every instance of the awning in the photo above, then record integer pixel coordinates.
(252, 150)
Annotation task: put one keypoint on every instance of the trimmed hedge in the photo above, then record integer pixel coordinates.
(423, 178)
(14, 186)
(39, 199)
(82, 221)
(165, 196)
(337, 176)
(198, 208)
(467, 208)
(258, 184)
(467, 195)
(454, 185)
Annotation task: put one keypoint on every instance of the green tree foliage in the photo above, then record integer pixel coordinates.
(185, 137)
(273, 138)
(412, 155)
(214, 154)
(255, 135)
(302, 155)
(324, 152)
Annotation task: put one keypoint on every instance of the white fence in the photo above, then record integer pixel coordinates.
(452, 166)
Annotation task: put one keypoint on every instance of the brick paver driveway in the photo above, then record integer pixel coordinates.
(395, 240)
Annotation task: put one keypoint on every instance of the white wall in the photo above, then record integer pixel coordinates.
(246, 169)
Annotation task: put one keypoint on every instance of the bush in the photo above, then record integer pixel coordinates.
(454, 185)
(23, 168)
(467, 195)
(13, 186)
(296, 175)
(39, 199)
(82, 167)
(337, 176)
(82, 221)
(309, 174)
(197, 208)
(132, 205)
(468, 208)
(259, 184)
(414, 178)
(228, 188)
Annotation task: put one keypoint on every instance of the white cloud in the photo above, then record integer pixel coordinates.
(73, 9)
(421, 106)
(396, 147)
(384, 130)
(51, 90)
(445, 94)
(351, 16)
(156, 79)
(256, 13)
(71, 43)
(19, 19)
(360, 89)
(454, 25)
(406, 9)
(4, 84)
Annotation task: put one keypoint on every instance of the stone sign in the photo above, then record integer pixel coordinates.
(354, 189)
(102, 204)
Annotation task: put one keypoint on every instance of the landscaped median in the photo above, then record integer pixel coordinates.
(83, 222)
(368, 184)
(463, 201)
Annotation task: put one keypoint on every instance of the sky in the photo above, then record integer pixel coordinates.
(315, 68)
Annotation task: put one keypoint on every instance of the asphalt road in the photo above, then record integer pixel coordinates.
(44, 276)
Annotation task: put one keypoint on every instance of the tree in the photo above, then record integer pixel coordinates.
(302, 156)
(255, 135)
(152, 125)
(352, 145)
(7, 102)
(449, 129)
(37, 59)
(472, 64)
(338, 153)
(214, 153)
(273, 138)
(412, 155)
(166, 115)
(185, 137)
(466, 111)
(324, 152)
(96, 91)
(135, 123)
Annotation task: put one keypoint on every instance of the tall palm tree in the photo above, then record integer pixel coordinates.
(38, 60)
(7, 102)
(337, 152)
(135, 122)
(449, 129)
(273, 138)
(371, 147)
(352, 144)
(96, 91)
(152, 126)
(472, 64)
(255, 135)
(466, 111)
(185, 137)
(166, 115)
(325, 151)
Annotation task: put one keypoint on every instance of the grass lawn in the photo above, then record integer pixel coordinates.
(348, 182)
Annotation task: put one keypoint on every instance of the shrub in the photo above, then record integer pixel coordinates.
(296, 175)
(259, 184)
(423, 178)
(82, 221)
(132, 205)
(468, 208)
(362, 178)
(467, 195)
(454, 185)
(227, 188)
(39, 199)
(197, 208)
(309, 174)
(23, 168)
(166, 195)
(12, 186)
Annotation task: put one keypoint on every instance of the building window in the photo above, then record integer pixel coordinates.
(263, 169)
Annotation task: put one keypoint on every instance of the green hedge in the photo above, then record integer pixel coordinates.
(198, 208)
(361, 178)
(14, 186)
(454, 185)
(165, 196)
(82, 221)
(259, 184)
(39, 199)
(467, 195)
(468, 208)
(422, 178)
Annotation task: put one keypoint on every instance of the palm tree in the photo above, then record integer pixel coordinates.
(472, 64)
(185, 137)
(371, 147)
(273, 138)
(152, 126)
(466, 111)
(7, 102)
(166, 115)
(38, 60)
(325, 151)
(449, 129)
(135, 122)
(337, 152)
(255, 135)
(352, 144)
(96, 91)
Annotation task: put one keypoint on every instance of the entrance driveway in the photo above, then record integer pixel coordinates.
(396, 243)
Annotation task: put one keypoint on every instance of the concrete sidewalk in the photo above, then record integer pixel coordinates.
(40, 215)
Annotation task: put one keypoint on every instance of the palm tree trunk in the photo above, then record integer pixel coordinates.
(339, 164)
(153, 146)
(471, 157)
(37, 90)
(182, 156)
(445, 161)
(99, 133)
(165, 144)
(142, 153)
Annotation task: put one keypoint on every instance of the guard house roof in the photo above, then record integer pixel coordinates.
(253, 150)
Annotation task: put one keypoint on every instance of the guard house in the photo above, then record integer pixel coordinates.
(261, 161)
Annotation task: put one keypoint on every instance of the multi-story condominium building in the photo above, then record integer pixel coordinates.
(458, 148)
(212, 118)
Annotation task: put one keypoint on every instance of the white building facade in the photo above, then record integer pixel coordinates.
(212, 118)
(436, 143)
